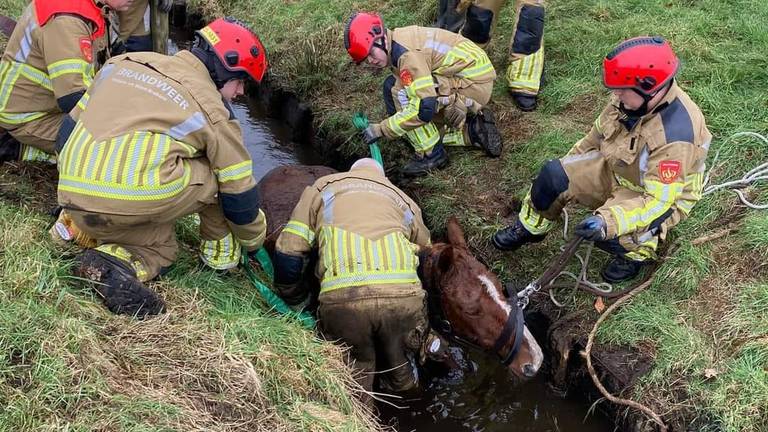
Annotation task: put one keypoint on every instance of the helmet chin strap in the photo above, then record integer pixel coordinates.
(381, 42)
(639, 112)
(643, 109)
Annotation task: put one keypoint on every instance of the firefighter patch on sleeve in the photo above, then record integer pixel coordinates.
(86, 48)
(669, 171)
(406, 78)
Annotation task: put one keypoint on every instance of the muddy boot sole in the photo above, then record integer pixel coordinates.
(485, 134)
(117, 285)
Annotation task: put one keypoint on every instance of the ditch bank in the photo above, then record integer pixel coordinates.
(561, 397)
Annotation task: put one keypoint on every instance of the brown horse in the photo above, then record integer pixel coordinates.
(465, 296)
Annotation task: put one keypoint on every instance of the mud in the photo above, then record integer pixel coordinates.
(280, 207)
(29, 185)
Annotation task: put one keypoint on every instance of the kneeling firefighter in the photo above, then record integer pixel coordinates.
(367, 233)
(641, 166)
(48, 64)
(437, 94)
(127, 174)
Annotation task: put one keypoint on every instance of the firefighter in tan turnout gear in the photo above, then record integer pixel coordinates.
(49, 62)
(133, 27)
(475, 19)
(367, 233)
(437, 94)
(127, 173)
(641, 166)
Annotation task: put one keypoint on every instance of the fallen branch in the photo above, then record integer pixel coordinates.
(588, 350)
(629, 294)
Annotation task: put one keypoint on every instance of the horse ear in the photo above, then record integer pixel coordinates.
(446, 260)
(455, 233)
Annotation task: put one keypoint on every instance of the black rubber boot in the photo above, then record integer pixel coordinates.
(421, 165)
(10, 149)
(514, 236)
(483, 132)
(116, 283)
(448, 18)
(526, 103)
(621, 269)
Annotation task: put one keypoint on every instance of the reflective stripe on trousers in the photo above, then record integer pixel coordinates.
(222, 254)
(32, 154)
(124, 255)
(534, 222)
(524, 74)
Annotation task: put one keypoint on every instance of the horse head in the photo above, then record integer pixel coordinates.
(472, 301)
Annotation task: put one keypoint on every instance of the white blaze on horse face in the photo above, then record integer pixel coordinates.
(535, 350)
(490, 288)
(537, 357)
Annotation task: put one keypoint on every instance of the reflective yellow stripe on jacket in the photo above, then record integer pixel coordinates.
(663, 197)
(300, 229)
(468, 52)
(125, 167)
(10, 72)
(411, 104)
(694, 183)
(353, 260)
(72, 66)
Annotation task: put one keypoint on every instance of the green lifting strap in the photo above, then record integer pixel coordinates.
(272, 299)
(360, 121)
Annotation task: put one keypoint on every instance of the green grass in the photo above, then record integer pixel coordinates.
(705, 310)
(722, 47)
(218, 358)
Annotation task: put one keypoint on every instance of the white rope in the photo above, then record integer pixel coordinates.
(581, 279)
(752, 176)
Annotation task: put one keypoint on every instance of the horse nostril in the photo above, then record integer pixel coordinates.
(529, 370)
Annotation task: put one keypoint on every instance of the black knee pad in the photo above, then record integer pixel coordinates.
(427, 109)
(389, 103)
(478, 25)
(551, 182)
(65, 130)
(530, 30)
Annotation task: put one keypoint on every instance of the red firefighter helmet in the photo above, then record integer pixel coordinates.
(645, 64)
(238, 48)
(362, 32)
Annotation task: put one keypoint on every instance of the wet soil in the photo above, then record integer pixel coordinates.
(29, 185)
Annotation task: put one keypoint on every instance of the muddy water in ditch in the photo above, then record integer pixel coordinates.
(478, 396)
(267, 139)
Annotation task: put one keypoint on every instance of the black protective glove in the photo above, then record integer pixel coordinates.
(372, 133)
(592, 228)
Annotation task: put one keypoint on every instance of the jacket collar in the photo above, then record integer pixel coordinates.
(193, 62)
